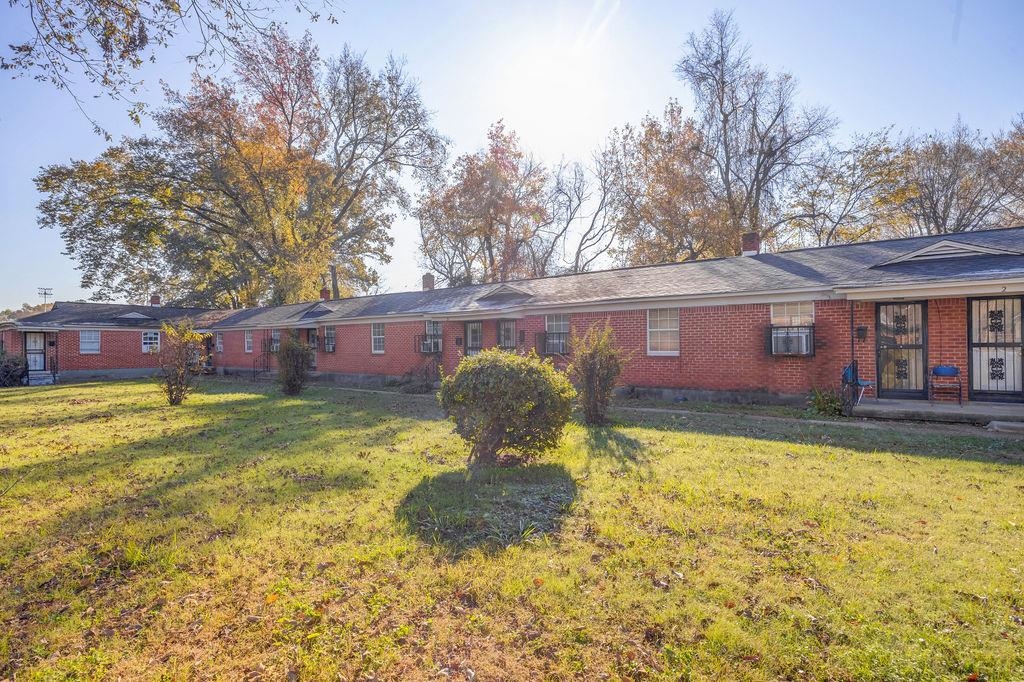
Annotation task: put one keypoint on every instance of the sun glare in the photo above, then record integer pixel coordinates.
(555, 79)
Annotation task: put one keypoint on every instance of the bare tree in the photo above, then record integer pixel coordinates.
(955, 183)
(845, 194)
(751, 128)
(1010, 150)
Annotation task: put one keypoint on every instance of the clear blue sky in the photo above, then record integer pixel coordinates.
(562, 74)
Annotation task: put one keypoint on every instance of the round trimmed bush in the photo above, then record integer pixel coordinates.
(507, 403)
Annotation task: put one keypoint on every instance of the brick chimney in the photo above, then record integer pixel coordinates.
(154, 300)
(325, 294)
(750, 244)
(428, 281)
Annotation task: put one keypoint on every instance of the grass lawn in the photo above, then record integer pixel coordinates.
(249, 535)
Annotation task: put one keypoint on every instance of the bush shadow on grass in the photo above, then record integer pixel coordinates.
(488, 508)
(611, 443)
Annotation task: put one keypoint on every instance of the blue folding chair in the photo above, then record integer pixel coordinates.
(945, 377)
(852, 378)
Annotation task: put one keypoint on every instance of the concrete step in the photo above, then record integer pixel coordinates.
(921, 410)
(40, 378)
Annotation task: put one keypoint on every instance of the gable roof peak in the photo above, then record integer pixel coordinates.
(950, 248)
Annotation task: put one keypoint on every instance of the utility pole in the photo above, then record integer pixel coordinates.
(45, 293)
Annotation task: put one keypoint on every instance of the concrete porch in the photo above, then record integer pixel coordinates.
(922, 410)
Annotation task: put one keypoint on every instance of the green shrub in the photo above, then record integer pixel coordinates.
(181, 357)
(294, 362)
(826, 402)
(503, 403)
(596, 365)
(13, 369)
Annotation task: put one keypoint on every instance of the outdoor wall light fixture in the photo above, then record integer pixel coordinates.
(862, 333)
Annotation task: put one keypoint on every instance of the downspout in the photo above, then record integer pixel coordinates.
(851, 332)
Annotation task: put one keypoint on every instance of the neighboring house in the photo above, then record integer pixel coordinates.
(75, 340)
(758, 324)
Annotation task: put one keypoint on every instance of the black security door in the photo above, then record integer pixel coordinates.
(902, 350)
(996, 346)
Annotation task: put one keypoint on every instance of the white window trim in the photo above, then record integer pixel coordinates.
(275, 340)
(99, 339)
(548, 325)
(789, 323)
(663, 353)
(330, 339)
(148, 347)
(248, 340)
(374, 337)
(218, 342)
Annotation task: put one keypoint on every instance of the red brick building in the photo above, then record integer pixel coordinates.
(911, 313)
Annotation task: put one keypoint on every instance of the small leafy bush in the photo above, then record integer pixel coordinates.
(294, 362)
(826, 402)
(504, 403)
(181, 357)
(596, 365)
(13, 368)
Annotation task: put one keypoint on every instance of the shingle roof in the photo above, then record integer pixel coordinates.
(77, 313)
(821, 269)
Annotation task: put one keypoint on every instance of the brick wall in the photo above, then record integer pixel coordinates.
(946, 342)
(721, 347)
(118, 350)
(13, 341)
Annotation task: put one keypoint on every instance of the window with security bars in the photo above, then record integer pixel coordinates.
(430, 342)
(663, 331)
(507, 334)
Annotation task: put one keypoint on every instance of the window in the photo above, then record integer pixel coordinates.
(556, 334)
(431, 337)
(474, 337)
(663, 331)
(377, 337)
(275, 340)
(800, 314)
(150, 342)
(88, 342)
(248, 340)
(507, 334)
(792, 329)
(218, 341)
(329, 337)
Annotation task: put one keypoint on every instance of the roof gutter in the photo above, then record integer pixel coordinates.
(943, 289)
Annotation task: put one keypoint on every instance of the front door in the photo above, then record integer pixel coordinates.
(474, 337)
(996, 349)
(901, 330)
(35, 351)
